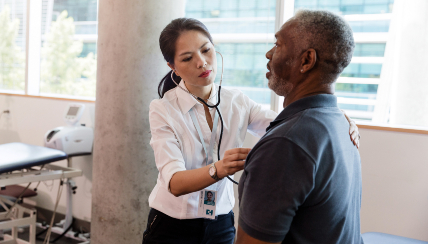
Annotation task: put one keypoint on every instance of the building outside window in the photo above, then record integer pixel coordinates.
(243, 32)
(369, 20)
(61, 50)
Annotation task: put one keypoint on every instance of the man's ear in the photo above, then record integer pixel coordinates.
(172, 67)
(309, 59)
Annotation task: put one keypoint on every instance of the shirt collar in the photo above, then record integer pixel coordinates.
(316, 101)
(187, 101)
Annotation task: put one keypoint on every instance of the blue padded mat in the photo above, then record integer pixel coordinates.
(382, 238)
(16, 156)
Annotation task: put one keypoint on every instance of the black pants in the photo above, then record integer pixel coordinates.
(162, 228)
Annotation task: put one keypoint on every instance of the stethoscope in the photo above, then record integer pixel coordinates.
(212, 106)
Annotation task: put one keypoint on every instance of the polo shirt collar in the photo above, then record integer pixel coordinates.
(316, 101)
(187, 101)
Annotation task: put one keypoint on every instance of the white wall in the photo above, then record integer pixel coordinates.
(28, 121)
(395, 183)
(394, 167)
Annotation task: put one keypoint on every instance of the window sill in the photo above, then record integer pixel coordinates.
(49, 97)
(405, 129)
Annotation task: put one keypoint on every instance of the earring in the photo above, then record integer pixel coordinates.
(301, 70)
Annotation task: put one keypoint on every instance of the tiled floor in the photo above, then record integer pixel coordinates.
(63, 240)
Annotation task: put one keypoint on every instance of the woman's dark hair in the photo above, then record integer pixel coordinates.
(167, 41)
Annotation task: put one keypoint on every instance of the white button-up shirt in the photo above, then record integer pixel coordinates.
(177, 146)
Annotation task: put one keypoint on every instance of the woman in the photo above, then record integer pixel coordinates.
(181, 128)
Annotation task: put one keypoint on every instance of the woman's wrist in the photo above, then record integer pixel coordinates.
(221, 173)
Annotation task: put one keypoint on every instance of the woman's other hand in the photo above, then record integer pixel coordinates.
(232, 162)
(353, 131)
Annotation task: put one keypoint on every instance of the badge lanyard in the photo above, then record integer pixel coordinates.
(206, 209)
(209, 152)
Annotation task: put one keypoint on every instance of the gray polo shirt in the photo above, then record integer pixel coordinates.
(302, 180)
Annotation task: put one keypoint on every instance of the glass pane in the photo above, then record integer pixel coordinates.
(369, 50)
(68, 64)
(12, 45)
(244, 63)
(347, 6)
(362, 70)
(370, 26)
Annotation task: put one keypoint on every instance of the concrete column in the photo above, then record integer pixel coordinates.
(130, 66)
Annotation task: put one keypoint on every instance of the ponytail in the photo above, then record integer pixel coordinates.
(167, 84)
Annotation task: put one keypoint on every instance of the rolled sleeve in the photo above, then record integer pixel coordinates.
(167, 149)
(277, 178)
(259, 118)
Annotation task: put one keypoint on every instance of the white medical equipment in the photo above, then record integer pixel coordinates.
(74, 113)
(23, 163)
(73, 139)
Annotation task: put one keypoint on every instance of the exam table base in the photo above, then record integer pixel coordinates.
(16, 219)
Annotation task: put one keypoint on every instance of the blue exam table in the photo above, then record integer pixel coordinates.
(382, 238)
(14, 158)
(17, 156)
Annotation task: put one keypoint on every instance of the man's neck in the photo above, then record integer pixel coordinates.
(306, 89)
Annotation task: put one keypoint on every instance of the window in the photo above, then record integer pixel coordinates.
(56, 55)
(243, 31)
(385, 82)
(13, 24)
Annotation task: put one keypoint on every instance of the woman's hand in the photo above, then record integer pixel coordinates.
(232, 162)
(353, 131)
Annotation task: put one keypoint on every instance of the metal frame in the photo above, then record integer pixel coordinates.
(13, 217)
(16, 219)
(49, 172)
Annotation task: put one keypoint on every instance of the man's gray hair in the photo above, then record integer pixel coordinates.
(330, 36)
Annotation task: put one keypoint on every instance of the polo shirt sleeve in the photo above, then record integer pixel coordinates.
(277, 178)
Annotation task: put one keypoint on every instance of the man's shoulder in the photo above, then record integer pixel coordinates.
(313, 120)
(312, 129)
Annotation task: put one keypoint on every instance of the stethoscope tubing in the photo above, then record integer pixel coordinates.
(221, 127)
(212, 106)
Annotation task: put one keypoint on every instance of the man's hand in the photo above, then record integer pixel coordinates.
(232, 162)
(244, 238)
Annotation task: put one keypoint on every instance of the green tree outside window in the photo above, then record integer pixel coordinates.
(62, 70)
(12, 59)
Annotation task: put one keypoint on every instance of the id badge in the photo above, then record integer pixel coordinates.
(207, 203)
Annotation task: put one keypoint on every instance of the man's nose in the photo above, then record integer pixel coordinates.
(269, 54)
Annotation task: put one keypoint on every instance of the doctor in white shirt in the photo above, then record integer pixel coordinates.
(185, 135)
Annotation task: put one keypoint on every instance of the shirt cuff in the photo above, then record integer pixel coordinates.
(258, 234)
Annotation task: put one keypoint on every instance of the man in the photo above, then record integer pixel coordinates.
(302, 181)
